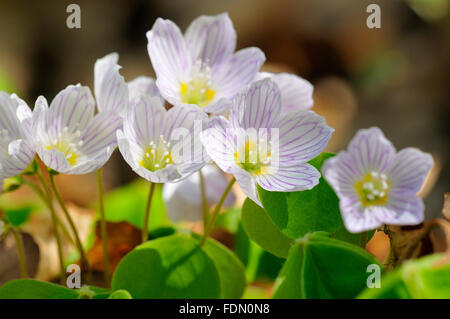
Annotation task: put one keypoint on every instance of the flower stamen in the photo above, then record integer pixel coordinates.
(373, 189)
(157, 156)
(198, 90)
(253, 158)
(68, 143)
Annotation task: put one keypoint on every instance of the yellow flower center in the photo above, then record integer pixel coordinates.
(198, 90)
(373, 189)
(253, 158)
(157, 156)
(68, 144)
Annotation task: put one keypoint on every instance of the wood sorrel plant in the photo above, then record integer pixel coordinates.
(257, 127)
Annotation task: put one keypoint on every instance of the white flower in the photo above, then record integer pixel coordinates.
(296, 92)
(152, 138)
(276, 156)
(68, 137)
(375, 184)
(16, 151)
(184, 199)
(201, 67)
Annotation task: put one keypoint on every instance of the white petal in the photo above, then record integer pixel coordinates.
(73, 108)
(247, 184)
(296, 93)
(143, 85)
(288, 179)
(165, 175)
(211, 39)
(402, 210)
(257, 106)
(112, 92)
(237, 72)
(357, 218)
(169, 56)
(303, 135)
(99, 139)
(408, 171)
(219, 142)
(101, 68)
(371, 151)
(144, 120)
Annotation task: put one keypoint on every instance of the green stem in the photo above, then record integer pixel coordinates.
(363, 240)
(43, 197)
(147, 213)
(205, 206)
(216, 212)
(20, 252)
(48, 200)
(83, 258)
(104, 232)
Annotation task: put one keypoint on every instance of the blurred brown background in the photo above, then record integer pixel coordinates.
(396, 77)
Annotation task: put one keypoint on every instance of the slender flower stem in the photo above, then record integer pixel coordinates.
(147, 213)
(205, 206)
(43, 197)
(216, 212)
(83, 258)
(103, 228)
(363, 240)
(48, 200)
(20, 252)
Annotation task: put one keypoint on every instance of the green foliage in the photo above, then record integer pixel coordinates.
(299, 213)
(263, 230)
(34, 289)
(427, 277)
(177, 266)
(127, 204)
(120, 294)
(18, 216)
(231, 270)
(322, 267)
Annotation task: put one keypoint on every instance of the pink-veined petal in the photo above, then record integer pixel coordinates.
(257, 106)
(341, 173)
(402, 210)
(237, 72)
(247, 184)
(164, 175)
(112, 91)
(101, 67)
(143, 123)
(100, 134)
(73, 108)
(303, 135)
(357, 218)
(211, 39)
(296, 92)
(371, 151)
(288, 179)
(219, 142)
(408, 171)
(170, 58)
